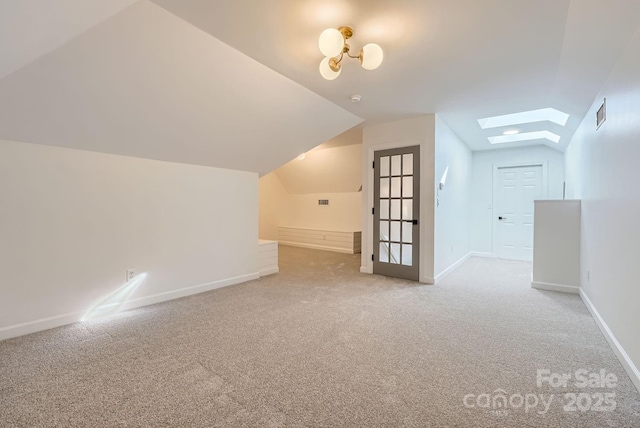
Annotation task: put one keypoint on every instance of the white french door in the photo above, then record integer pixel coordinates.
(515, 190)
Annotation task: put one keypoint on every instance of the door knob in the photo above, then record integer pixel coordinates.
(411, 221)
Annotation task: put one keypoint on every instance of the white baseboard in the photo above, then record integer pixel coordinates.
(269, 271)
(451, 268)
(39, 325)
(486, 255)
(317, 247)
(572, 289)
(60, 320)
(622, 355)
(187, 291)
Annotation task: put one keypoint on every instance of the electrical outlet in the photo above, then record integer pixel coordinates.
(130, 274)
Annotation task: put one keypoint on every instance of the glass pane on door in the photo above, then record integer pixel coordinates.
(384, 231)
(407, 209)
(395, 209)
(396, 186)
(407, 164)
(407, 187)
(407, 255)
(384, 252)
(384, 209)
(395, 231)
(407, 232)
(395, 165)
(384, 166)
(394, 257)
(384, 187)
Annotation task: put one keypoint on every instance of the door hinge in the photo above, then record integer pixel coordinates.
(373, 211)
(372, 259)
(373, 164)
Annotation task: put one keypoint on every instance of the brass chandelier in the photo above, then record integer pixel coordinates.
(333, 45)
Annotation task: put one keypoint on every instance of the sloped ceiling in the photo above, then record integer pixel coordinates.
(463, 59)
(331, 170)
(146, 83)
(32, 28)
(212, 82)
(348, 138)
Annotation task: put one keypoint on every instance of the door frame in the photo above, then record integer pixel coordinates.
(398, 270)
(494, 217)
(427, 193)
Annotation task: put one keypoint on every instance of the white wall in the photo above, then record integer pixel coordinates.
(482, 219)
(452, 215)
(274, 208)
(419, 131)
(72, 222)
(342, 214)
(602, 169)
(556, 246)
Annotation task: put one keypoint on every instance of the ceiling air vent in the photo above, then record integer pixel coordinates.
(601, 114)
(323, 201)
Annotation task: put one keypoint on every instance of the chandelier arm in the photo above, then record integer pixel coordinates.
(351, 56)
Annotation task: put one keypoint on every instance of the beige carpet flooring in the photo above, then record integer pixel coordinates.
(321, 345)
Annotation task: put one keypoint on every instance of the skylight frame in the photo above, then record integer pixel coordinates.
(531, 116)
(525, 136)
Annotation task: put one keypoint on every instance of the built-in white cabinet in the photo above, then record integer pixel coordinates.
(327, 240)
(556, 245)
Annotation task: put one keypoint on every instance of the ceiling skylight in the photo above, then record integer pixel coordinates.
(542, 115)
(526, 136)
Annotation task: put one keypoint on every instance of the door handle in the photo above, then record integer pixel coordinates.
(411, 221)
(502, 218)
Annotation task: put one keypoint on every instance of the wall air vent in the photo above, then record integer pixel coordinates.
(601, 114)
(323, 201)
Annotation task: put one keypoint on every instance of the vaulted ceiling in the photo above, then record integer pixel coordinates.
(463, 59)
(146, 83)
(235, 84)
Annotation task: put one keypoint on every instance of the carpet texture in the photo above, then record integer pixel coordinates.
(321, 345)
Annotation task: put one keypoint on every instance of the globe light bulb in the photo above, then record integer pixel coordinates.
(331, 42)
(326, 71)
(371, 56)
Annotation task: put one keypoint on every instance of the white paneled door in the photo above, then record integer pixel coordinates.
(516, 188)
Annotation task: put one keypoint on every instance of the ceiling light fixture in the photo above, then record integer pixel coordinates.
(511, 132)
(333, 45)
